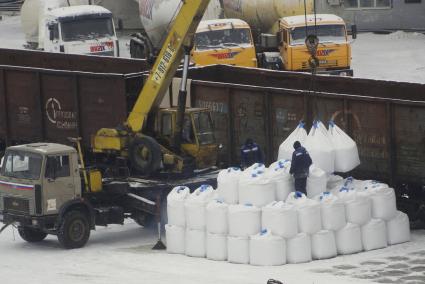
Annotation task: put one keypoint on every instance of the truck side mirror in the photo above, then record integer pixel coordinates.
(354, 31)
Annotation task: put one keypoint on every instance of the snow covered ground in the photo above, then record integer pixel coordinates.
(122, 254)
(398, 56)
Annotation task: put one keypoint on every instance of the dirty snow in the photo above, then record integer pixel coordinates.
(398, 56)
(122, 254)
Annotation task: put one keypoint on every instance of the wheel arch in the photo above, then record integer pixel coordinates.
(78, 205)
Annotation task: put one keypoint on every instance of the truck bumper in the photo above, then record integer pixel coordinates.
(341, 72)
(43, 223)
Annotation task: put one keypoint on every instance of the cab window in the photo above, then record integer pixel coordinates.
(57, 167)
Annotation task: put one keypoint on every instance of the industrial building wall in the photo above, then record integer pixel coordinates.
(378, 14)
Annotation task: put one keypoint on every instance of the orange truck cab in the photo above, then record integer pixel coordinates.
(224, 41)
(334, 51)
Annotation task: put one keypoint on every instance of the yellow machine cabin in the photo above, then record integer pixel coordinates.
(334, 51)
(224, 41)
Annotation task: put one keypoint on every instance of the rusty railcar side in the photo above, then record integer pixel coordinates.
(50, 97)
(48, 105)
(71, 62)
(389, 130)
(302, 81)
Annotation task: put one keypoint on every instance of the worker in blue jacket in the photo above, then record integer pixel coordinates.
(301, 162)
(250, 154)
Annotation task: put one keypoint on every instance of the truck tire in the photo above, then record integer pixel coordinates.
(30, 235)
(74, 232)
(145, 155)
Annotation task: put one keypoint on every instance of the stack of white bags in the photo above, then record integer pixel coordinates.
(255, 217)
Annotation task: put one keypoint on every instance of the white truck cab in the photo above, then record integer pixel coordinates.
(84, 29)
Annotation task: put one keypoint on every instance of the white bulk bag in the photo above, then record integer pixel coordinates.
(383, 203)
(349, 239)
(323, 245)
(227, 185)
(334, 181)
(309, 217)
(216, 247)
(217, 217)
(280, 218)
(374, 235)
(398, 229)
(332, 211)
(298, 249)
(244, 220)
(266, 249)
(256, 189)
(175, 205)
(366, 185)
(175, 239)
(194, 206)
(253, 169)
(296, 198)
(346, 153)
(238, 249)
(316, 181)
(348, 184)
(287, 147)
(195, 243)
(320, 147)
(278, 172)
(358, 208)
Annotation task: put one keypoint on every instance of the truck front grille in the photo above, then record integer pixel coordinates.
(16, 205)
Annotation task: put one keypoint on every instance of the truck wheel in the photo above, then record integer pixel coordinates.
(74, 232)
(30, 235)
(145, 155)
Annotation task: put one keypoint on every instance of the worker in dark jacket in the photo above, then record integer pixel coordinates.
(301, 162)
(250, 154)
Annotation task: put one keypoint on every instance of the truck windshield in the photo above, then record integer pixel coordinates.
(204, 128)
(86, 29)
(222, 38)
(325, 33)
(22, 165)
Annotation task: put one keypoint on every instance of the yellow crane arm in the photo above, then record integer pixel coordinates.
(180, 35)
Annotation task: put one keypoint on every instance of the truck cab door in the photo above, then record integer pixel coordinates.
(284, 47)
(58, 183)
(51, 41)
